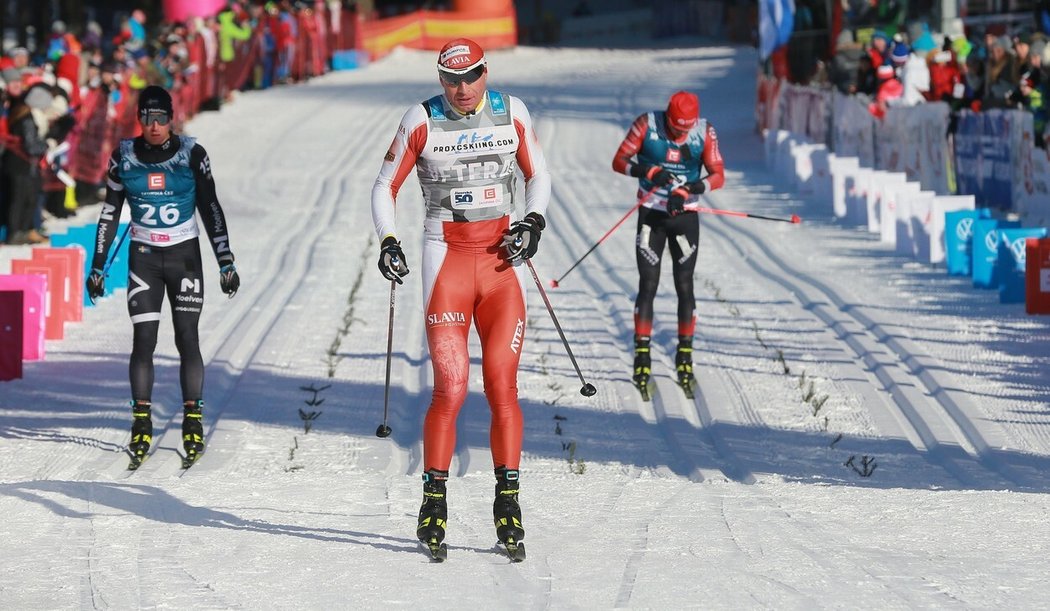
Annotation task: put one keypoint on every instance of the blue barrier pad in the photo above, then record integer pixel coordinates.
(986, 251)
(84, 236)
(1011, 270)
(958, 234)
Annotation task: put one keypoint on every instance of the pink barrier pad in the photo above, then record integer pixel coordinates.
(182, 10)
(10, 335)
(69, 263)
(54, 326)
(34, 306)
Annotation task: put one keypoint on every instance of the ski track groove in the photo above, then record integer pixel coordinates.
(728, 462)
(888, 361)
(639, 545)
(238, 346)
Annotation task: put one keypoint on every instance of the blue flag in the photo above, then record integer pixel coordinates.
(776, 21)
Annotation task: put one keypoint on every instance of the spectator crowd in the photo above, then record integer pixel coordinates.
(986, 70)
(68, 102)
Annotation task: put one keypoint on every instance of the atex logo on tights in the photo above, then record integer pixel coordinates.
(446, 319)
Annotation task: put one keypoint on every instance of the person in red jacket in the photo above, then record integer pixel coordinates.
(665, 151)
(890, 89)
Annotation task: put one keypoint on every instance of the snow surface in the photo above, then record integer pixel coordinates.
(741, 499)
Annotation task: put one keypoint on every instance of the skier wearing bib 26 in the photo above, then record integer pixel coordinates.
(664, 151)
(466, 146)
(165, 178)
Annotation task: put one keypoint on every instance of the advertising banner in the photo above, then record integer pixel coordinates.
(1012, 261)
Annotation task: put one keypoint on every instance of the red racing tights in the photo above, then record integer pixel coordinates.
(465, 277)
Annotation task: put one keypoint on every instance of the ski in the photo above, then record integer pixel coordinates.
(191, 459)
(438, 551)
(515, 550)
(643, 389)
(136, 461)
(688, 385)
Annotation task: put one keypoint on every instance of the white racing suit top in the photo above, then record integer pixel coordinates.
(466, 164)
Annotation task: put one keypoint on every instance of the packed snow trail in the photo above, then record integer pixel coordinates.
(741, 498)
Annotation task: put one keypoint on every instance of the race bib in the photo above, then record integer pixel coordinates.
(476, 197)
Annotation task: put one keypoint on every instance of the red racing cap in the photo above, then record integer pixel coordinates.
(683, 110)
(460, 56)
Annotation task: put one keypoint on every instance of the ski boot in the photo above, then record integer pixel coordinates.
(433, 514)
(642, 366)
(141, 433)
(192, 432)
(507, 514)
(683, 362)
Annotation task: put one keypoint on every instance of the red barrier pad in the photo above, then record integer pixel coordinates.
(69, 263)
(54, 326)
(1037, 276)
(34, 304)
(10, 335)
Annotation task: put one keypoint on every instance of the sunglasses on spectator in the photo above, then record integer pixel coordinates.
(150, 117)
(469, 77)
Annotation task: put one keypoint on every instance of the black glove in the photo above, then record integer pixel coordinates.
(696, 188)
(392, 262)
(523, 238)
(96, 284)
(654, 174)
(676, 201)
(229, 281)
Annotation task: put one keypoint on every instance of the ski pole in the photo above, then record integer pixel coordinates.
(113, 255)
(586, 390)
(383, 430)
(641, 200)
(794, 217)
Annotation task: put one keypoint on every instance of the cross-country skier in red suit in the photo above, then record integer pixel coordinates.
(466, 146)
(665, 150)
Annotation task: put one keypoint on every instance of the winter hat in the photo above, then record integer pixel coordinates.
(683, 110)
(925, 43)
(885, 72)
(962, 47)
(1038, 46)
(154, 99)
(844, 40)
(460, 56)
(39, 96)
(899, 55)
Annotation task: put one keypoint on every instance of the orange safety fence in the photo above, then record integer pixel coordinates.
(430, 30)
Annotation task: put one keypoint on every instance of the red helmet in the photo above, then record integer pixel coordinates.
(460, 56)
(683, 110)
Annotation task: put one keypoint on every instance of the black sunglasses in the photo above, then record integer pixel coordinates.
(148, 117)
(470, 77)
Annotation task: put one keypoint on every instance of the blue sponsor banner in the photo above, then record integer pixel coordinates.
(984, 158)
(968, 133)
(958, 234)
(986, 251)
(996, 161)
(1012, 262)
